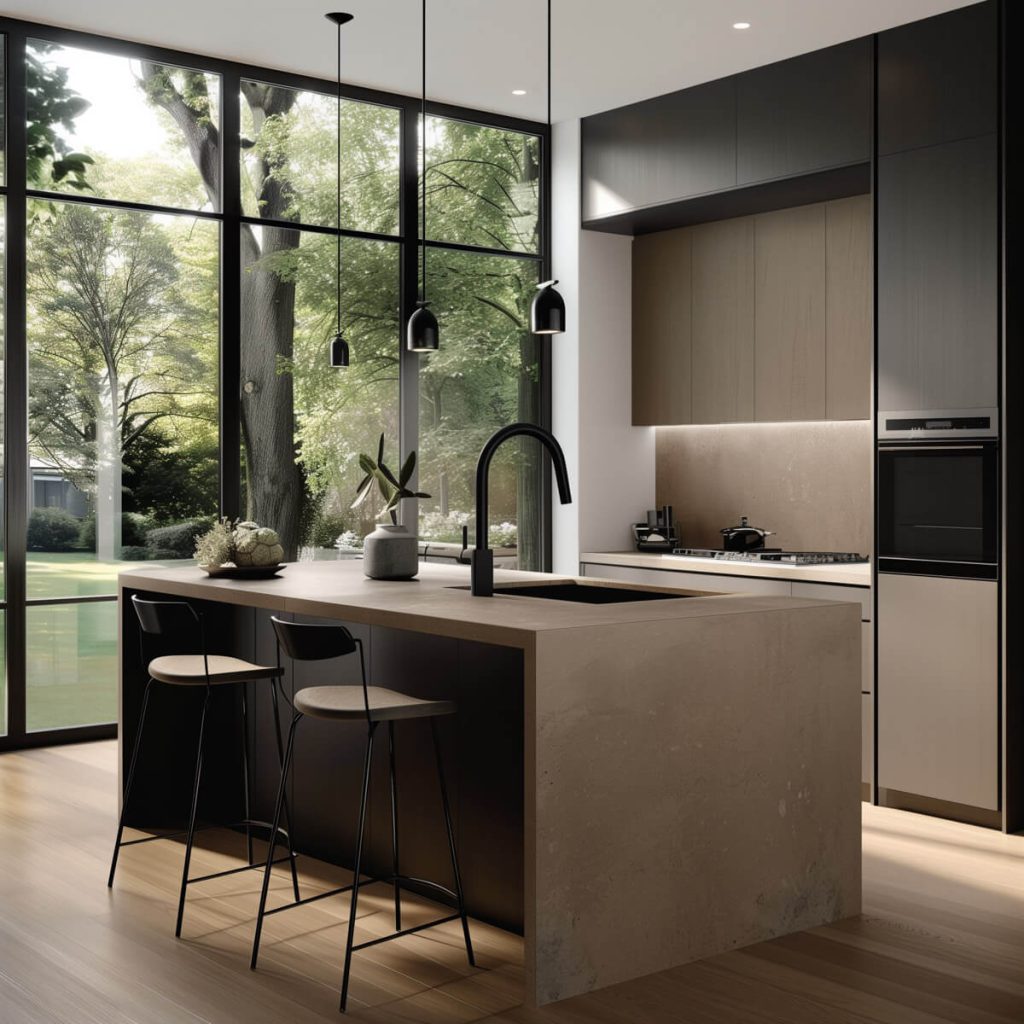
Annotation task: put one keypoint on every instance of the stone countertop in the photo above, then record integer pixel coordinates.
(855, 575)
(435, 602)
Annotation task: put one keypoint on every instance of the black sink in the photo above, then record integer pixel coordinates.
(585, 593)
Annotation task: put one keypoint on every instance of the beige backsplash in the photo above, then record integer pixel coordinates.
(809, 482)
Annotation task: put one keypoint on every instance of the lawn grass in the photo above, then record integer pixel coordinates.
(71, 657)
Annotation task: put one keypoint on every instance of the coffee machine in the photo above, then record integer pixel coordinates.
(658, 533)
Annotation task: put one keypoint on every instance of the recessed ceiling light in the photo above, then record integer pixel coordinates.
(518, 92)
(741, 24)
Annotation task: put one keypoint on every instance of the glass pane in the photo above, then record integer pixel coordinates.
(119, 128)
(483, 186)
(71, 667)
(123, 361)
(3, 323)
(485, 376)
(293, 402)
(290, 159)
(3, 673)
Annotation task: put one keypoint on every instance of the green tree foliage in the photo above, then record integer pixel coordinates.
(52, 107)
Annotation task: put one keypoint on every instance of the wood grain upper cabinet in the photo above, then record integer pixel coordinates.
(668, 148)
(937, 80)
(722, 321)
(790, 315)
(938, 340)
(849, 319)
(661, 328)
(806, 114)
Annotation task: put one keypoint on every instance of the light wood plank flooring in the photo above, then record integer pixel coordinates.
(941, 939)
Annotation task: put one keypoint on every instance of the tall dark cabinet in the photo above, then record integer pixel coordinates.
(938, 216)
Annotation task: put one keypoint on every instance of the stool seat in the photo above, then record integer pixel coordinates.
(347, 702)
(190, 670)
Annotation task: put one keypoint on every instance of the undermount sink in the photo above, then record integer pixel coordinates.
(583, 593)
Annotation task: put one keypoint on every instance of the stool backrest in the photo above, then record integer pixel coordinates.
(175, 626)
(307, 641)
(174, 620)
(310, 641)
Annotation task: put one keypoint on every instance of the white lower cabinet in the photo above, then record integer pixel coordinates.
(715, 584)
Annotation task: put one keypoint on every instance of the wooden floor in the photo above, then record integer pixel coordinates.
(941, 939)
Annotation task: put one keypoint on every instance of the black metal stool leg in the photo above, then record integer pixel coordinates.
(357, 867)
(287, 812)
(286, 763)
(245, 775)
(128, 783)
(192, 816)
(394, 826)
(451, 845)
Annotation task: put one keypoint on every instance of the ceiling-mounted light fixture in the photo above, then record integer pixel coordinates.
(421, 331)
(339, 346)
(741, 25)
(547, 311)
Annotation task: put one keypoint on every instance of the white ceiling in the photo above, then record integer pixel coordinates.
(605, 54)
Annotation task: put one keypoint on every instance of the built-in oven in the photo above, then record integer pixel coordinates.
(938, 508)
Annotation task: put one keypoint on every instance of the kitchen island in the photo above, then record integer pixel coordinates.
(638, 784)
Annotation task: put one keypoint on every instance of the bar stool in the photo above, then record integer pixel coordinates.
(372, 705)
(174, 622)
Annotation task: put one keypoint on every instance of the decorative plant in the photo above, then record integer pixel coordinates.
(241, 543)
(216, 546)
(392, 489)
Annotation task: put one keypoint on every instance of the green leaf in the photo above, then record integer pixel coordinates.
(387, 473)
(380, 450)
(407, 470)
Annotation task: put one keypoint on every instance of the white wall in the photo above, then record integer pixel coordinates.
(611, 462)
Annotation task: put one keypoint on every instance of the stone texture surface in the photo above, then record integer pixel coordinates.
(697, 789)
(809, 482)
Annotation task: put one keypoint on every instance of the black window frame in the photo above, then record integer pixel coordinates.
(15, 195)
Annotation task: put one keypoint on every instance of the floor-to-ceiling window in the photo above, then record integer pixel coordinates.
(171, 240)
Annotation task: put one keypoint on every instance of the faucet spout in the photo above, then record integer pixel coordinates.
(482, 571)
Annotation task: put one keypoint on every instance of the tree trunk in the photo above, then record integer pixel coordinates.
(108, 471)
(275, 483)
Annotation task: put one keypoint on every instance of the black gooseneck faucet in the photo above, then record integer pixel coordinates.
(482, 565)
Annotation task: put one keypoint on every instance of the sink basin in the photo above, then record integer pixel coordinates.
(584, 593)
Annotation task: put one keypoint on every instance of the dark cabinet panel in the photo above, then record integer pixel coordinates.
(937, 79)
(671, 147)
(938, 277)
(805, 114)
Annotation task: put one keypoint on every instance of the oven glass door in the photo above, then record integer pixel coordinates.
(937, 509)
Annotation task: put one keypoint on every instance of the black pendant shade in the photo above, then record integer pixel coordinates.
(547, 311)
(339, 346)
(421, 332)
(339, 352)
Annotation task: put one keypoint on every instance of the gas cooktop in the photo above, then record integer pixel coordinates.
(774, 555)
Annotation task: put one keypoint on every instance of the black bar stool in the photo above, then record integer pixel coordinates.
(176, 623)
(373, 705)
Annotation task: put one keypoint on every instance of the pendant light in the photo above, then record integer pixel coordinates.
(547, 311)
(339, 346)
(421, 332)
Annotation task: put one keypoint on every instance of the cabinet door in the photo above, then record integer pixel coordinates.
(668, 148)
(722, 286)
(805, 114)
(789, 314)
(709, 582)
(867, 742)
(661, 328)
(937, 277)
(937, 80)
(849, 337)
(938, 688)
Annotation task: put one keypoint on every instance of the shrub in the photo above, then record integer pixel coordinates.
(135, 553)
(326, 529)
(179, 539)
(134, 527)
(52, 529)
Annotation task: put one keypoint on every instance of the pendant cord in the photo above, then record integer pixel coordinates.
(338, 190)
(549, 71)
(423, 146)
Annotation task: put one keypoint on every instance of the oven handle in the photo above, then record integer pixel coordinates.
(931, 448)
